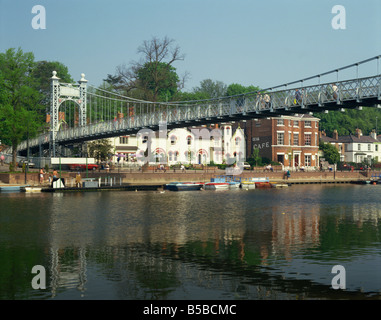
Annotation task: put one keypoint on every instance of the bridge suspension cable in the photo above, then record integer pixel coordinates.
(289, 83)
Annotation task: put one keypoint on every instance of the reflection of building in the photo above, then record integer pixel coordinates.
(290, 140)
(292, 231)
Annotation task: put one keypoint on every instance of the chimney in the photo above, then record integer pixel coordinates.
(335, 135)
(358, 133)
(373, 134)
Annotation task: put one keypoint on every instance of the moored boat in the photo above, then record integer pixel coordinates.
(248, 185)
(31, 189)
(10, 188)
(261, 182)
(234, 184)
(216, 185)
(184, 186)
(279, 185)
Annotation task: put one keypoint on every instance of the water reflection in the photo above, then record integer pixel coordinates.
(259, 244)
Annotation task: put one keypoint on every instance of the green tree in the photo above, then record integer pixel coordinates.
(255, 159)
(211, 89)
(190, 96)
(331, 154)
(20, 106)
(235, 89)
(158, 81)
(100, 149)
(42, 72)
(348, 121)
(154, 77)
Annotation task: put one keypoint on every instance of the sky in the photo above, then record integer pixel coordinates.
(250, 42)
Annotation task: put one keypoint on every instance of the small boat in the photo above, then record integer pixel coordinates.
(261, 182)
(234, 184)
(10, 188)
(183, 186)
(248, 185)
(279, 185)
(31, 189)
(216, 185)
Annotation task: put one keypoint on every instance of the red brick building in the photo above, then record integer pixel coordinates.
(290, 140)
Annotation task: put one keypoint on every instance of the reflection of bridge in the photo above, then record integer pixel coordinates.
(105, 114)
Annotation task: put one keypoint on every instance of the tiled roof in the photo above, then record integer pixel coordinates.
(328, 139)
(355, 139)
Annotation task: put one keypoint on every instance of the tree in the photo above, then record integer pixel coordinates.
(347, 122)
(153, 77)
(331, 154)
(100, 149)
(42, 72)
(235, 89)
(160, 87)
(19, 103)
(211, 89)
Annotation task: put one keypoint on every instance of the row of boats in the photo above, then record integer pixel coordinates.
(221, 184)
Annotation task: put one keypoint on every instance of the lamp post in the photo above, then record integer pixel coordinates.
(27, 151)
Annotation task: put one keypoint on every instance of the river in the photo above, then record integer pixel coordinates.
(233, 244)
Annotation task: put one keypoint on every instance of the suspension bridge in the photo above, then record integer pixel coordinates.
(80, 112)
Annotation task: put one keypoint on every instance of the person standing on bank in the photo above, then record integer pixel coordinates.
(41, 176)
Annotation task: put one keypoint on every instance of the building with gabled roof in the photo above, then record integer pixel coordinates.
(355, 147)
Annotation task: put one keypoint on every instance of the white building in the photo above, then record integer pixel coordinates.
(196, 145)
(125, 148)
(356, 147)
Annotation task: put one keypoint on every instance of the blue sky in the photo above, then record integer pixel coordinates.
(251, 42)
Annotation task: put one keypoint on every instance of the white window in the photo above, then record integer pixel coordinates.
(296, 139)
(307, 124)
(307, 160)
(280, 138)
(307, 139)
(280, 122)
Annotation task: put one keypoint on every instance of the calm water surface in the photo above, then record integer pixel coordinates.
(236, 244)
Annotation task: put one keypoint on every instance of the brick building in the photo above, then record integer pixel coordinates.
(290, 140)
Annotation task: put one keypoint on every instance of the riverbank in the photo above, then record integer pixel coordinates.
(161, 178)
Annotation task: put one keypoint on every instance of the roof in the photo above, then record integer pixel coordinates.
(298, 117)
(355, 139)
(328, 139)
